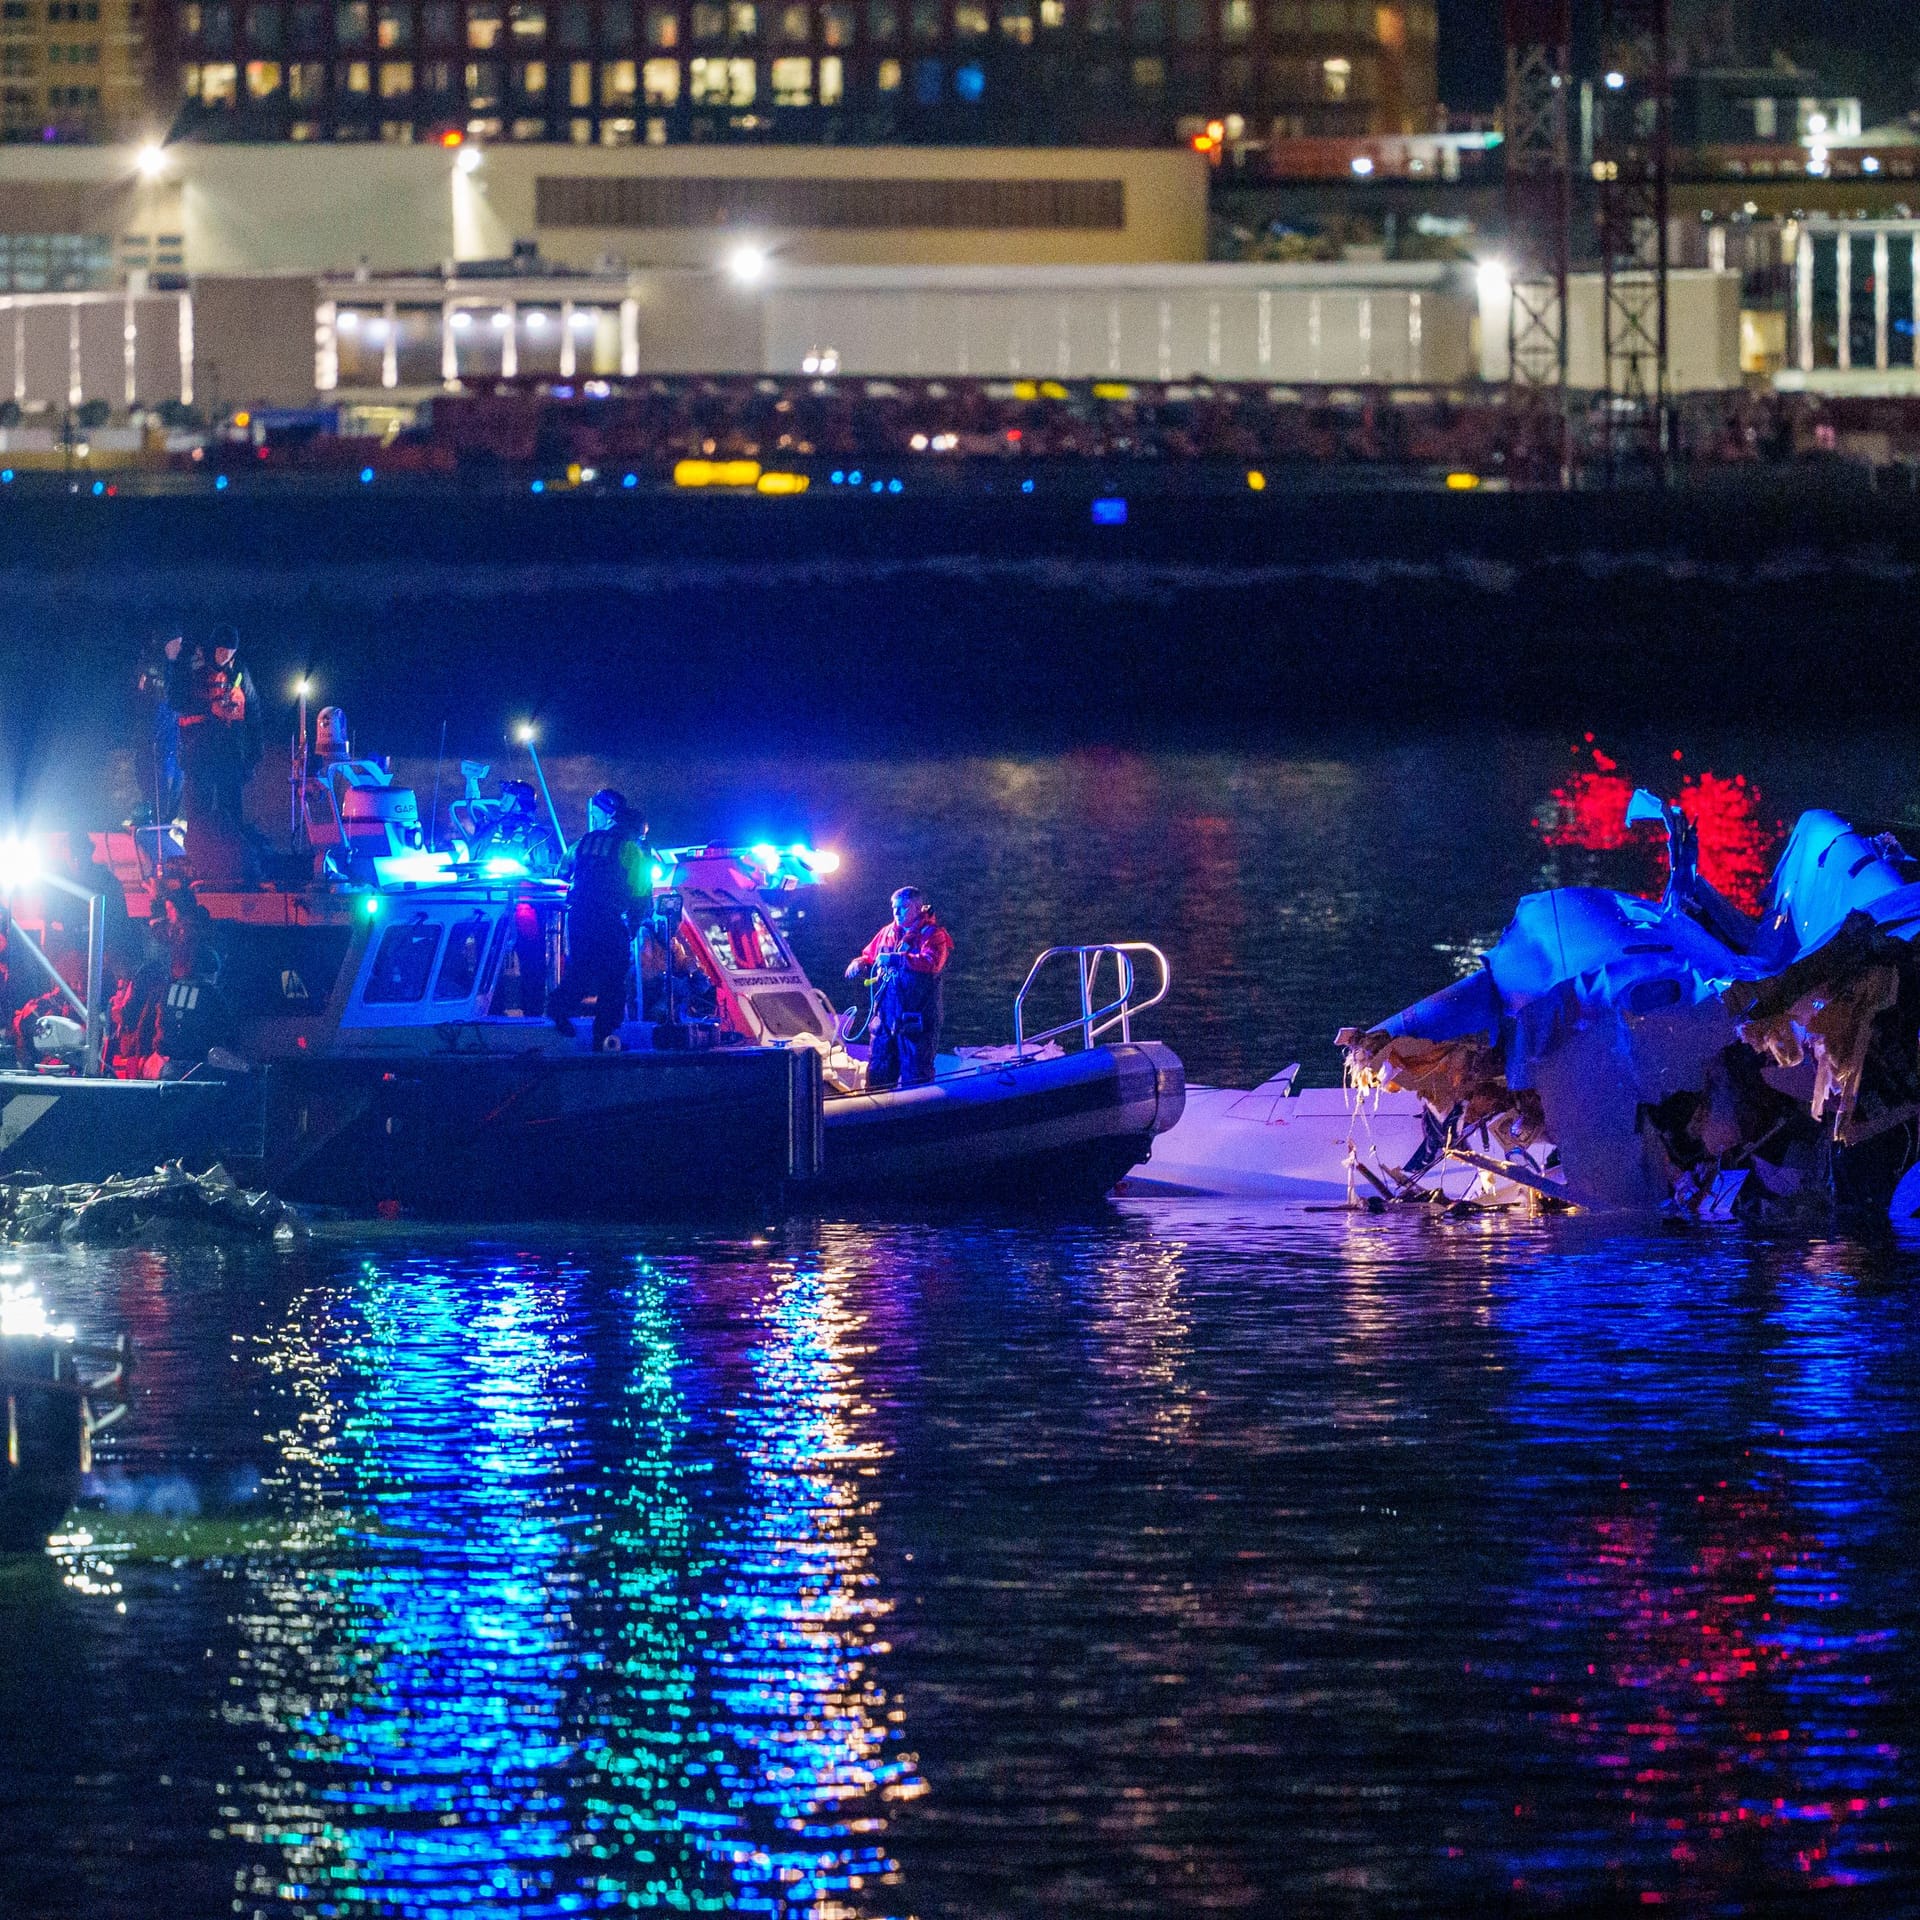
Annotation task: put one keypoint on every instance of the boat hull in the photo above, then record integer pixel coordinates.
(543, 1135)
(58, 1130)
(1042, 1131)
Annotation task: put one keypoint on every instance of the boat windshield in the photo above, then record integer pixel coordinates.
(741, 939)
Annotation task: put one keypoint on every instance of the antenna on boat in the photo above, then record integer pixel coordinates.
(433, 814)
(525, 734)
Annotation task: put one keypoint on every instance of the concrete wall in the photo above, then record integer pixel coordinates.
(316, 208)
(1407, 325)
(1703, 330)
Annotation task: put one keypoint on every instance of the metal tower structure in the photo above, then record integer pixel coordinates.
(1538, 192)
(1630, 153)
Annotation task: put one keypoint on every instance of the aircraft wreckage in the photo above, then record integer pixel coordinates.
(1681, 1054)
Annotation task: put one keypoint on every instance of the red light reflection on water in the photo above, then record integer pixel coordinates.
(1737, 842)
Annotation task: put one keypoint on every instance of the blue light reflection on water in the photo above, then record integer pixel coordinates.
(1183, 1557)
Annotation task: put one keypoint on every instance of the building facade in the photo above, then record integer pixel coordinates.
(74, 69)
(658, 72)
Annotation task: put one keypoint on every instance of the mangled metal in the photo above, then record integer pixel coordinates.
(169, 1205)
(1682, 1054)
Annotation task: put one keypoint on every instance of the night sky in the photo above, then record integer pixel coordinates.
(1869, 47)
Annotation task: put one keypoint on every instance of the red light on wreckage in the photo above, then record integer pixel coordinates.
(1737, 843)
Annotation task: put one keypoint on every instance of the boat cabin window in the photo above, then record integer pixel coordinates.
(741, 939)
(403, 963)
(460, 964)
(493, 958)
(785, 1014)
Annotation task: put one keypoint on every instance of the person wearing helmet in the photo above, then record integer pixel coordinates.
(608, 897)
(907, 959)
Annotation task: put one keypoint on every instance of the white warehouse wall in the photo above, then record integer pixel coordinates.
(1703, 330)
(1402, 325)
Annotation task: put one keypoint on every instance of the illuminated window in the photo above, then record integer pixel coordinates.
(1149, 74)
(619, 82)
(836, 24)
(263, 79)
(833, 84)
(527, 20)
(663, 27)
(707, 82)
(189, 82)
(483, 83)
(580, 84)
(1053, 13)
(580, 132)
(531, 78)
(354, 76)
(616, 133)
(1336, 76)
(1016, 21)
(969, 20)
(306, 80)
(795, 24)
(743, 20)
(660, 82)
(396, 79)
(484, 25)
(394, 28)
(219, 83)
(793, 82)
(397, 133)
(969, 82)
(1236, 19)
(886, 76)
(740, 83)
(437, 76)
(527, 130)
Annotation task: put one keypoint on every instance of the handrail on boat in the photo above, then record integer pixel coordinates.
(1093, 1020)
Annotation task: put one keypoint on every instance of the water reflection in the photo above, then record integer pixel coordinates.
(554, 1637)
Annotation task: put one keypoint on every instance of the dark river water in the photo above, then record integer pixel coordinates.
(1176, 1559)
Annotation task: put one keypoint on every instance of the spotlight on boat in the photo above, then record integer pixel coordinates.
(765, 854)
(19, 863)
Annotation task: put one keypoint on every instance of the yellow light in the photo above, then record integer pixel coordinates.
(1025, 390)
(1052, 390)
(1256, 480)
(1111, 390)
(693, 473)
(736, 473)
(243, 418)
(781, 483)
(1462, 482)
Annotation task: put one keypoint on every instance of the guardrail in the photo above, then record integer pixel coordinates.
(1094, 1019)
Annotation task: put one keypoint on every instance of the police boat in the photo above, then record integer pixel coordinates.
(387, 1049)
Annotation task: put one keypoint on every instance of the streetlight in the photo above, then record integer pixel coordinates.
(151, 161)
(748, 264)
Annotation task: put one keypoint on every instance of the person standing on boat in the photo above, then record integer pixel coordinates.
(907, 958)
(607, 899)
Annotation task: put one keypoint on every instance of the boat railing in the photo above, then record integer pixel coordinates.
(1096, 1016)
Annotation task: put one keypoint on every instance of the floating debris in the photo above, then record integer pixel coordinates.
(169, 1204)
(1684, 1054)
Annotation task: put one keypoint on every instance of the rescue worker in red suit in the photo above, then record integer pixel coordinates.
(607, 902)
(907, 958)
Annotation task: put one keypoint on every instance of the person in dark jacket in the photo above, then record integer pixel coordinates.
(607, 899)
(195, 1016)
(907, 958)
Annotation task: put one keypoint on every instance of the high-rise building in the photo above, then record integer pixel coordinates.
(862, 72)
(73, 69)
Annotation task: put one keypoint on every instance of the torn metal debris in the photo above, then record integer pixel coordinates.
(170, 1205)
(1682, 1054)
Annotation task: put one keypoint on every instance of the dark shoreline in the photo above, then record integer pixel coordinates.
(985, 620)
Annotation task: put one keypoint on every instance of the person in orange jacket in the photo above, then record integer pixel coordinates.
(907, 958)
